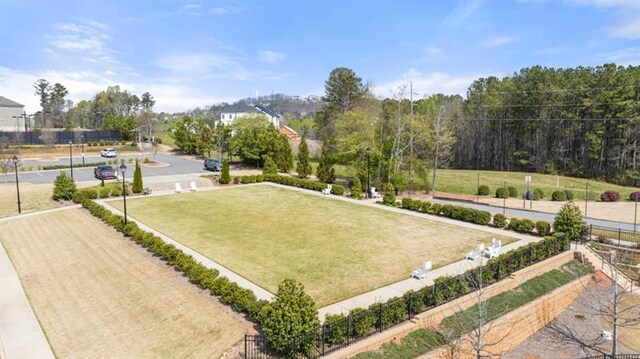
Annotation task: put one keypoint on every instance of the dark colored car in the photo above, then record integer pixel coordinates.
(104, 172)
(211, 164)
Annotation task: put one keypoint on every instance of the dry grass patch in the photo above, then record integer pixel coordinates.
(33, 197)
(336, 249)
(98, 295)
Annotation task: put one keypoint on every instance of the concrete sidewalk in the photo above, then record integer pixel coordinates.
(20, 333)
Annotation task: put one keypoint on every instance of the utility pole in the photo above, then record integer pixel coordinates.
(586, 198)
(411, 95)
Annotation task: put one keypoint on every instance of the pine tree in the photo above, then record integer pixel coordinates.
(137, 179)
(356, 189)
(303, 166)
(569, 221)
(269, 167)
(225, 178)
(389, 195)
(284, 155)
(325, 171)
(63, 187)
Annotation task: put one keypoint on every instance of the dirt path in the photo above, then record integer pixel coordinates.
(97, 294)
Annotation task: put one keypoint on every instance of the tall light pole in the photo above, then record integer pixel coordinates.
(635, 213)
(478, 189)
(71, 158)
(123, 169)
(15, 165)
(82, 146)
(504, 200)
(368, 181)
(586, 198)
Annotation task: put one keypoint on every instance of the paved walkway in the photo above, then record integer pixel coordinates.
(600, 263)
(20, 333)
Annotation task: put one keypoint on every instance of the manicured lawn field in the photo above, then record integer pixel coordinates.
(99, 295)
(336, 249)
(33, 197)
(466, 181)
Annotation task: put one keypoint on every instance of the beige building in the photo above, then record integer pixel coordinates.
(11, 116)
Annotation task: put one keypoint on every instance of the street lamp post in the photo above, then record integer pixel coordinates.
(71, 158)
(478, 189)
(635, 214)
(504, 200)
(15, 165)
(586, 198)
(368, 182)
(82, 146)
(123, 168)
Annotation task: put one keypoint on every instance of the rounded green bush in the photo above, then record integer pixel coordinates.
(502, 192)
(538, 194)
(513, 192)
(499, 220)
(558, 196)
(569, 194)
(484, 190)
(543, 228)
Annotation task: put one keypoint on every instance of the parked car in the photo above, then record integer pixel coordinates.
(105, 172)
(108, 152)
(212, 164)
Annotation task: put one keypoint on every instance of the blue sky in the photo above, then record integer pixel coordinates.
(192, 53)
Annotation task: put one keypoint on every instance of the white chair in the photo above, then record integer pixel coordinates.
(192, 186)
(327, 191)
(475, 253)
(374, 193)
(494, 249)
(178, 187)
(420, 273)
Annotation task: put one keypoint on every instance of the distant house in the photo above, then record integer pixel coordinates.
(233, 112)
(11, 116)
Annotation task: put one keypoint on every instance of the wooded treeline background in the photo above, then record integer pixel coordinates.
(581, 122)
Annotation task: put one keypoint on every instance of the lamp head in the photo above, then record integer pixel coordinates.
(15, 159)
(123, 168)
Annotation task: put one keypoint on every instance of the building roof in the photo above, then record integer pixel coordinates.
(266, 110)
(238, 108)
(5, 102)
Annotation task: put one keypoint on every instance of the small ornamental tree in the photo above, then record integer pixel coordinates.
(569, 221)
(269, 167)
(356, 189)
(284, 155)
(389, 195)
(303, 167)
(137, 179)
(289, 318)
(63, 187)
(225, 178)
(325, 171)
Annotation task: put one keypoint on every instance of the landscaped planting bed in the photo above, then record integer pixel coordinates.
(335, 248)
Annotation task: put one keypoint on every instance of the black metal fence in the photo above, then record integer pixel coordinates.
(617, 356)
(616, 236)
(256, 346)
(57, 137)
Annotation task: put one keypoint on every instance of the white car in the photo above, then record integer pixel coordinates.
(108, 152)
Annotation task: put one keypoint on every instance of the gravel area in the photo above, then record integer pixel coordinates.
(583, 320)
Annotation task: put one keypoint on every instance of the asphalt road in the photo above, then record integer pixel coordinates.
(537, 216)
(175, 165)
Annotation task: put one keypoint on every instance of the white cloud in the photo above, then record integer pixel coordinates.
(627, 19)
(88, 37)
(208, 65)
(271, 57)
(496, 41)
(432, 50)
(627, 56)
(460, 13)
(554, 50)
(428, 84)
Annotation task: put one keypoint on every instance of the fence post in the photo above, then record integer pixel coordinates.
(348, 327)
(619, 235)
(409, 307)
(246, 355)
(380, 316)
(324, 336)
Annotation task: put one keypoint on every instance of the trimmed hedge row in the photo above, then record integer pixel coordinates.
(75, 165)
(243, 300)
(336, 189)
(362, 322)
(448, 210)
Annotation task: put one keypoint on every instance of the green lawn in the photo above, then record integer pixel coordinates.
(335, 248)
(466, 182)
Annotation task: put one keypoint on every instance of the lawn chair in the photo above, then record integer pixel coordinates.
(493, 251)
(475, 253)
(420, 273)
(327, 191)
(146, 191)
(192, 186)
(178, 187)
(374, 193)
